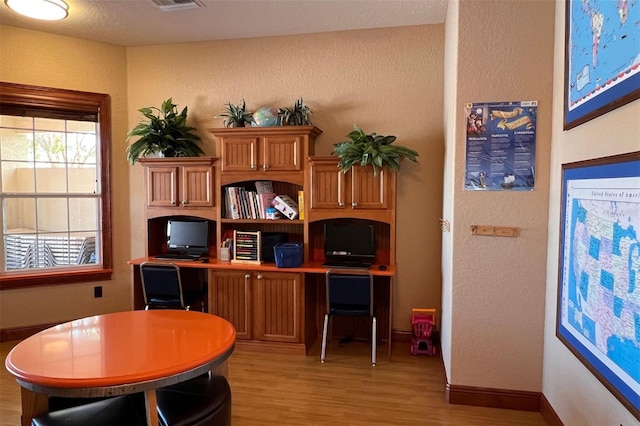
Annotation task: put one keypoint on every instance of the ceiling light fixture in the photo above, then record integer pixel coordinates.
(48, 10)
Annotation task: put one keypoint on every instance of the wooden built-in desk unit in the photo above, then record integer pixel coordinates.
(272, 309)
(277, 309)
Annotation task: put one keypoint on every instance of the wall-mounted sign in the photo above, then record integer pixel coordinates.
(501, 145)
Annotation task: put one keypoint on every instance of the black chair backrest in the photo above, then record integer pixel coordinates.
(161, 285)
(349, 292)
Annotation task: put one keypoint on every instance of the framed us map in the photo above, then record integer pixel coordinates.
(598, 304)
(602, 57)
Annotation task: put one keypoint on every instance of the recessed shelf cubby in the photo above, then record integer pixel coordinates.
(157, 234)
(381, 237)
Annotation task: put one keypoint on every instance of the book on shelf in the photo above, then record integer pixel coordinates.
(286, 206)
(233, 208)
(227, 204)
(239, 196)
(253, 203)
(235, 199)
(301, 205)
(242, 196)
(264, 186)
(264, 202)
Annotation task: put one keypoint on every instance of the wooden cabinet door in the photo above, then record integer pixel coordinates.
(162, 190)
(367, 190)
(280, 153)
(240, 154)
(230, 298)
(328, 185)
(196, 188)
(279, 308)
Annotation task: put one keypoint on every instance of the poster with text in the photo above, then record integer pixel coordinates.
(501, 146)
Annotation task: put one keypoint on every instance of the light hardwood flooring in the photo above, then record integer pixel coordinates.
(273, 389)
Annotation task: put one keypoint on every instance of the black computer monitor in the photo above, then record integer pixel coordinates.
(349, 241)
(188, 236)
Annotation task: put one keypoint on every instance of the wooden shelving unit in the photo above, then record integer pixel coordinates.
(272, 309)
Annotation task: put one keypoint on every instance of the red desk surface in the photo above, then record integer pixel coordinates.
(120, 348)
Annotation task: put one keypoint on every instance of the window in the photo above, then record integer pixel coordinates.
(54, 186)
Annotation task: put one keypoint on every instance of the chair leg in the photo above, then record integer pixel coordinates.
(323, 353)
(374, 341)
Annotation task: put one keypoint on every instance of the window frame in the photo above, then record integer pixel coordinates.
(22, 95)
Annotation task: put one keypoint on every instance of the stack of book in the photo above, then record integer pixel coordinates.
(243, 203)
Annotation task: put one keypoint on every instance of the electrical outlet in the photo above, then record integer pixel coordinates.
(97, 291)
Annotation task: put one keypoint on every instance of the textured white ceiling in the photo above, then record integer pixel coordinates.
(141, 22)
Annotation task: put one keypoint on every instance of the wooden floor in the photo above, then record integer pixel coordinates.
(271, 389)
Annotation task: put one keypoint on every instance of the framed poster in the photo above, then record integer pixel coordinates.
(501, 145)
(598, 316)
(602, 58)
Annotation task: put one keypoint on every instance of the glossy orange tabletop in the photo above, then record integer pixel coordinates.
(121, 348)
(117, 354)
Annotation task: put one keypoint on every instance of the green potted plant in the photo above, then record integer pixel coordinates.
(165, 132)
(377, 150)
(236, 115)
(299, 115)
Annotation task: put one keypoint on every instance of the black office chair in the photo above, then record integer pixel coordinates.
(163, 289)
(349, 293)
(125, 410)
(202, 401)
(205, 400)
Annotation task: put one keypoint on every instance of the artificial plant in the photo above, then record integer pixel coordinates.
(165, 132)
(236, 115)
(299, 115)
(376, 150)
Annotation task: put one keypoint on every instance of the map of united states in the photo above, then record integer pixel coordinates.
(604, 283)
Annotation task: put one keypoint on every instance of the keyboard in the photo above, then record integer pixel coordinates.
(177, 256)
(347, 265)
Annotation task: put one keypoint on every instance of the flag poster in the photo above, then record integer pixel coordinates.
(501, 146)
